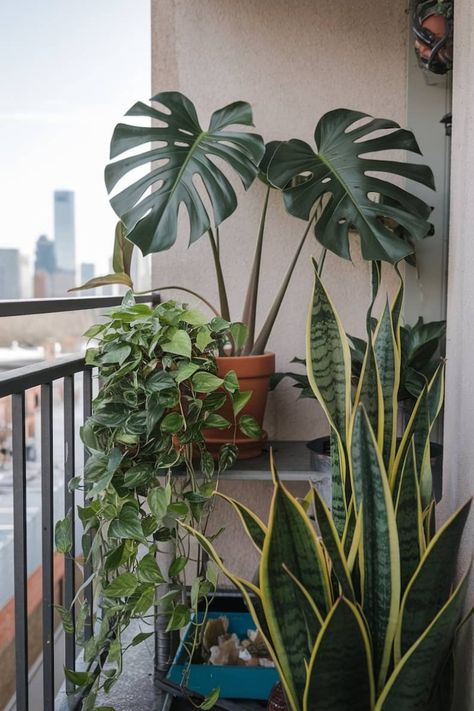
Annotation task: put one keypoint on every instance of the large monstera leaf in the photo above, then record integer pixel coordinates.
(339, 173)
(181, 152)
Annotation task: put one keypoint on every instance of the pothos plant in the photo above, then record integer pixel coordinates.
(148, 468)
(336, 186)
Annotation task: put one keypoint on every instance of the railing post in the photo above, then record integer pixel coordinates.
(69, 509)
(87, 411)
(47, 519)
(19, 543)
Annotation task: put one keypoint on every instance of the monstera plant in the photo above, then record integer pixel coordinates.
(335, 186)
(327, 186)
(361, 611)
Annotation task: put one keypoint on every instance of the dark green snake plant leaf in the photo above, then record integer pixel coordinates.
(328, 362)
(333, 545)
(254, 527)
(387, 358)
(340, 674)
(411, 682)
(328, 359)
(291, 546)
(181, 152)
(409, 519)
(430, 586)
(381, 556)
(340, 170)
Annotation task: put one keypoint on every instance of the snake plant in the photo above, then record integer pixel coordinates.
(360, 608)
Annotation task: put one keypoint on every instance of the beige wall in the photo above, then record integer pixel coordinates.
(459, 411)
(292, 61)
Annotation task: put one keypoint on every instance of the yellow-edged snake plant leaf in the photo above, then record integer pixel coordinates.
(411, 683)
(409, 519)
(181, 152)
(328, 363)
(254, 527)
(387, 358)
(340, 674)
(333, 546)
(341, 170)
(380, 575)
(431, 583)
(291, 546)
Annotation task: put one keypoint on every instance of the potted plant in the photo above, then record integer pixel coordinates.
(148, 468)
(419, 359)
(328, 188)
(365, 614)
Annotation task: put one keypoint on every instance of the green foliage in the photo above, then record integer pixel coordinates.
(339, 172)
(419, 347)
(330, 189)
(148, 468)
(365, 615)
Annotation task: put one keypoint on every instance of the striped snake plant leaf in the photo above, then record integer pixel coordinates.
(184, 151)
(291, 545)
(328, 363)
(418, 429)
(254, 527)
(338, 482)
(369, 392)
(429, 522)
(381, 556)
(387, 358)
(411, 683)
(328, 359)
(397, 308)
(431, 583)
(339, 171)
(436, 394)
(333, 546)
(340, 674)
(409, 519)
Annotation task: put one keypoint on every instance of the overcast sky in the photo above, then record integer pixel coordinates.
(69, 69)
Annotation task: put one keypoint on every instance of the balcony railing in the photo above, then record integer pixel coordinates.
(15, 383)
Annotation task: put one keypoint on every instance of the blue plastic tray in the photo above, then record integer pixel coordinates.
(234, 682)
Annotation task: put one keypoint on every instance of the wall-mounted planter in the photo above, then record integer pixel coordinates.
(235, 682)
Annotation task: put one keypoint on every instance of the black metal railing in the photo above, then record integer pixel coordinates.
(15, 383)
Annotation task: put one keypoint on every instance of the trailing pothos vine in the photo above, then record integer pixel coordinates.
(148, 469)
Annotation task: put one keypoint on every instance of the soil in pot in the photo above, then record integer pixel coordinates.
(253, 373)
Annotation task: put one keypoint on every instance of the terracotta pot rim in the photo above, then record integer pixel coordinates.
(267, 354)
(251, 366)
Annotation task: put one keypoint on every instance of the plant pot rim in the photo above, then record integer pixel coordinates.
(267, 354)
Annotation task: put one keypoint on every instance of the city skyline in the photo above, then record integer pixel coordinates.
(58, 109)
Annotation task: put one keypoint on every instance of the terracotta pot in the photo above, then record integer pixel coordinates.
(253, 373)
(277, 699)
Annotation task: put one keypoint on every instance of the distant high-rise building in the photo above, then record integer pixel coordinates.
(45, 260)
(26, 277)
(10, 282)
(64, 230)
(87, 271)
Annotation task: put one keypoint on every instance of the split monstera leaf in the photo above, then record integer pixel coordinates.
(338, 185)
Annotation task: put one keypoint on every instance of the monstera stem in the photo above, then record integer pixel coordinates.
(224, 303)
(179, 288)
(250, 308)
(262, 340)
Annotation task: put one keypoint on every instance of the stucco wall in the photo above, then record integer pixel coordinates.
(292, 61)
(459, 411)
